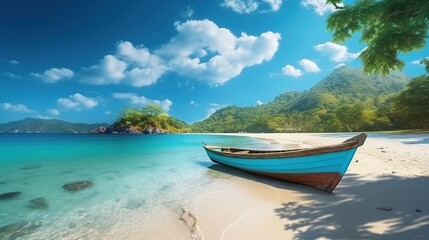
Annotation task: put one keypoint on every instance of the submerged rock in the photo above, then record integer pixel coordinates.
(9, 195)
(17, 230)
(38, 203)
(76, 186)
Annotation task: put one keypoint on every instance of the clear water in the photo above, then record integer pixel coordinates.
(140, 181)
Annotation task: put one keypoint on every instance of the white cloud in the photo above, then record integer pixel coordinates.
(77, 102)
(291, 71)
(43, 117)
(15, 107)
(188, 12)
(143, 101)
(319, 6)
(259, 103)
(107, 113)
(53, 111)
(54, 75)
(249, 6)
(110, 70)
(201, 50)
(336, 52)
(14, 62)
(418, 62)
(145, 68)
(241, 6)
(226, 55)
(192, 102)
(340, 65)
(275, 4)
(309, 66)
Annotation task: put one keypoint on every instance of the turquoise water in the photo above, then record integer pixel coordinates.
(138, 181)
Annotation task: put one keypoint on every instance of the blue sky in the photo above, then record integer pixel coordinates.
(84, 61)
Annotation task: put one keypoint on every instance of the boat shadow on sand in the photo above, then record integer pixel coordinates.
(218, 171)
(386, 207)
(389, 207)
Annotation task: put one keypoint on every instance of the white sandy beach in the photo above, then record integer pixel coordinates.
(385, 174)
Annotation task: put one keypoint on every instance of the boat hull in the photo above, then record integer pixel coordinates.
(323, 171)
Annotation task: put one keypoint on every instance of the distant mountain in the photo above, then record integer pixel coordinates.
(34, 125)
(346, 100)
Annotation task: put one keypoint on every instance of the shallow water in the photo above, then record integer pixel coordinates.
(140, 184)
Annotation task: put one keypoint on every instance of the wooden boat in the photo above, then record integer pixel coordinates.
(319, 167)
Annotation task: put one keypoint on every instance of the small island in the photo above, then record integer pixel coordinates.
(151, 119)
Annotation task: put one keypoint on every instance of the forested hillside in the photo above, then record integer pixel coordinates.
(346, 100)
(34, 125)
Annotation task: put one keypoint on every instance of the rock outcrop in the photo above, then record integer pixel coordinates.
(122, 129)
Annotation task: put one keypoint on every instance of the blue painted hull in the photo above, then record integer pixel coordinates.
(337, 162)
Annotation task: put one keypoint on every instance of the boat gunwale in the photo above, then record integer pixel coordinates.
(348, 144)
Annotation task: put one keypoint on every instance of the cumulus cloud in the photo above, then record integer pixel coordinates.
(259, 103)
(226, 55)
(249, 6)
(309, 66)
(54, 75)
(77, 102)
(15, 107)
(145, 69)
(53, 112)
(319, 6)
(200, 50)
(274, 4)
(134, 99)
(336, 52)
(110, 70)
(291, 71)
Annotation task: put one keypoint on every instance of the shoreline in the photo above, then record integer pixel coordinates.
(383, 195)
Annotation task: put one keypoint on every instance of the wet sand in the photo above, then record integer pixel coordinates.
(383, 195)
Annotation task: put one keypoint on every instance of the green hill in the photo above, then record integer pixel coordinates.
(34, 125)
(149, 120)
(346, 100)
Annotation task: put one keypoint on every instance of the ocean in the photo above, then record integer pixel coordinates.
(140, 185)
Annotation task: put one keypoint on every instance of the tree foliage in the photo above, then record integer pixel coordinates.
(412, 105)
(151, 116)
(389, 27)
